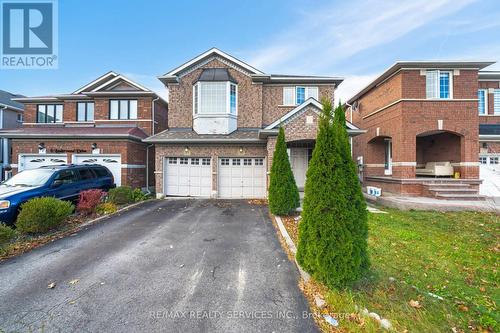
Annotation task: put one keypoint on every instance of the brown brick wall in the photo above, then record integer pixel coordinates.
(131, 153)
(386, 93)
(213, 151)
(181, 98)
(491, 118)
(273, 107)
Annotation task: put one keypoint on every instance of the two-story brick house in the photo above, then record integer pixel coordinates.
(223, 121)
(103, 122)
(417, 114)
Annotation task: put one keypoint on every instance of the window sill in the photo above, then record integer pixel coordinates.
(489, 115)
(215, 115)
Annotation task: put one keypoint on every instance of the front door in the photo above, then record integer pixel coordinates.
(299, 160)
(388, 157)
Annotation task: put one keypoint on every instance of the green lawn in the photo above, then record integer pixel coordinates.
(452, 255)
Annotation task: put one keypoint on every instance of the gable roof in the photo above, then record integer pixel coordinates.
(7, 100)
(439, 64)
(300, 109)
(102, 86)
(174, 73)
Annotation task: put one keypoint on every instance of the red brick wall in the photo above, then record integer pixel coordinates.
(101, 113)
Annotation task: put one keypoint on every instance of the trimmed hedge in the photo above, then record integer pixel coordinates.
(7, 234)
(283, 193)
(121, 195)
(43, 214)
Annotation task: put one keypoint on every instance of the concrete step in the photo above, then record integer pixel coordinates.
(465, 197)
(446, 185)
(453, 190)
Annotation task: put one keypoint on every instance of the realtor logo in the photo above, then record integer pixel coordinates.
(29, 34)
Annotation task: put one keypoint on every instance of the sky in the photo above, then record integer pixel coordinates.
(355, 39)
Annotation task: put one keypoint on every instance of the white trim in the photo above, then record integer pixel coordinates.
(372, 165)
(135, 84)
(465, 164)
(13, 165)
(10, 107)
(215, 50)
(309, 101)
(93, 82)
(403, 164)
(133, 166)
(114, 120)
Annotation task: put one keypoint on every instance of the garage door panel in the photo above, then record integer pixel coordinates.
(113, 162)
(188, 176)
(241, 178)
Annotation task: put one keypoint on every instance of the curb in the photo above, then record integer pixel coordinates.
(291, 246)
(123, 209)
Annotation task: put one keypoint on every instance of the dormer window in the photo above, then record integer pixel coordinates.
(215, 102)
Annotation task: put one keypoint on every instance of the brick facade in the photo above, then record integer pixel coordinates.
(132, 151)
(421, 130)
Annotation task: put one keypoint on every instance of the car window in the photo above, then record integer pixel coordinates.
(67, 176)
(101, 172)
(33, 177)
(86, 174)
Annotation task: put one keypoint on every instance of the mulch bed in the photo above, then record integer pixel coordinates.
(291, 223)
(26, 243)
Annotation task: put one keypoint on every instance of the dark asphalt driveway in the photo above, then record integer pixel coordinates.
(170, 266)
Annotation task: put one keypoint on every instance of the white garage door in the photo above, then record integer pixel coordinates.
(33, 161)
(111, 161)
(489, 172)
(242, 178)
(188, 176)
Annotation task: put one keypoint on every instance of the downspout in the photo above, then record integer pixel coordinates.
(350, 117)
(153, 123)
(148, 191)
(153, 114)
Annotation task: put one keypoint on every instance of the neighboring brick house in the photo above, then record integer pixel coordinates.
(11, 116)
(223, 121)
(416, 113)
(103, 122)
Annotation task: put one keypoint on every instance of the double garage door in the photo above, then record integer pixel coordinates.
(111, 161)
(237, 177)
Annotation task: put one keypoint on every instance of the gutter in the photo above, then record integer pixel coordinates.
(207, 140)
(46, 135)
(153, 121)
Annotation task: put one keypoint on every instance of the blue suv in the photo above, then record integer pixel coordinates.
(63, 182)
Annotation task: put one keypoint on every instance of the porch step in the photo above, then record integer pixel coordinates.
(467, 197)
(446, 185)
(453, 190)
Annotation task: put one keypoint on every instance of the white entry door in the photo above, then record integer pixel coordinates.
(187, 176)
(299, 161)
(33, 161)
(242, 177)
(111, 161)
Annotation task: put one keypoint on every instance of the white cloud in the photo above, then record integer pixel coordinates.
(351, 85)
(328, 35)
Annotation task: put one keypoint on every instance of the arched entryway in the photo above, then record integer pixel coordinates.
(437, 152)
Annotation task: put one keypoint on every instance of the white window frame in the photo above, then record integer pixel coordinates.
(197, 101)
(485, 102)
(496, 104)
(437, 92)
(308, 90)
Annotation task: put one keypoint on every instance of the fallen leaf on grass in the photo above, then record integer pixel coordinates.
(415, 304)
(75, 281)
(51, 285)
(463, 308)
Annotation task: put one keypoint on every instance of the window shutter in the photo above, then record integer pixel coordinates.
(288, 95)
